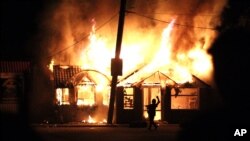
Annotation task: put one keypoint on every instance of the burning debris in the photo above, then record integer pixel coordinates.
(91, 120)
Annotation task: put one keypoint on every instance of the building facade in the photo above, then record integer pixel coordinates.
(78, 97)
(15, 77)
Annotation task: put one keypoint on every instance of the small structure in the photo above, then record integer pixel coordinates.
(179, 102)
(77, 98)
(14, 81)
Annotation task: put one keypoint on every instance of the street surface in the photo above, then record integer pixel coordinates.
(166, 132)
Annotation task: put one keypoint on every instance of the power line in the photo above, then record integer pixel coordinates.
(62, 50)
(132, 12)
(184, 14)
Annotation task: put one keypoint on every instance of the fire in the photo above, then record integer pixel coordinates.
(91, 120)
(202, 61)
(159, 43)
(97, 55)
(163, 61)
(85, 96)
(163, 55)
(52, 62)
(143, 44)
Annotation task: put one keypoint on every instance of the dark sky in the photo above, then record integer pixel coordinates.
(19, 25)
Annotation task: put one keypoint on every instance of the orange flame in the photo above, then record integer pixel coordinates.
(97, 55)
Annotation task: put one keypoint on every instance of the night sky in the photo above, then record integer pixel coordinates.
(19, 26)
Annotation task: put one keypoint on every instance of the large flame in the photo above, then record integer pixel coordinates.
(178, 49)
(97, 55)
(175, 44)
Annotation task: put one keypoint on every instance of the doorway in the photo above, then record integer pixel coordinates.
(148, 94)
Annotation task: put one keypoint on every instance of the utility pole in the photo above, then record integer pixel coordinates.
(116, 63)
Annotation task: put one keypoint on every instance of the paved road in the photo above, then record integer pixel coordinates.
(166, 132)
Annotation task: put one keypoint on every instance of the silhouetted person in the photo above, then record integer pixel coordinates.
(151, 109)
(231, 60)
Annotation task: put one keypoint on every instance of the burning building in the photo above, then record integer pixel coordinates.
(163, 55)
(179, 102)
(77, 95)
